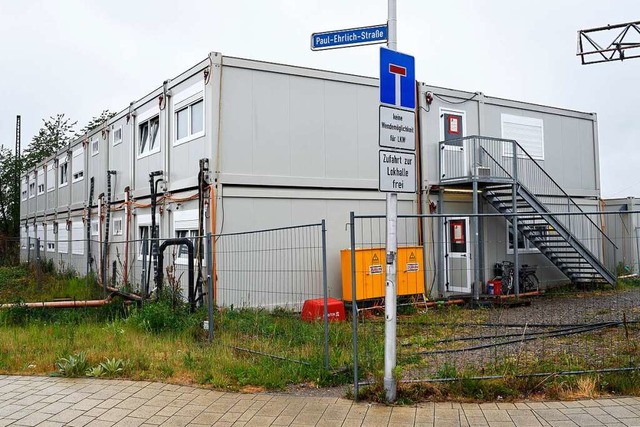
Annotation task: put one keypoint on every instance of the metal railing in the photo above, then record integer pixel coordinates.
(495, 160)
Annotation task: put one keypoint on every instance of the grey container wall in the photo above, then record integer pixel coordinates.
(52, 193)
(63, 190)
(184, 153)
(120, 155)
(97, 164)
(570, 137)
(78, 185)
(624, 228)
(288, 126)
(148, 161)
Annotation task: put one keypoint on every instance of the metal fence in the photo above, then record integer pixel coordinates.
(443, 333)
(259, 279)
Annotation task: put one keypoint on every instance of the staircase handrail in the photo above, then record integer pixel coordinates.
(477, 138)
(564, 193)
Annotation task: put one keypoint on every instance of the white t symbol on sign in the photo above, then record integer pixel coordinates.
(399, 72)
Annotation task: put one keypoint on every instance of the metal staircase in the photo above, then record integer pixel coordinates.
(549, 235)
(546, 215)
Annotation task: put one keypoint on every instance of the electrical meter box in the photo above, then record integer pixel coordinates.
(370, 267)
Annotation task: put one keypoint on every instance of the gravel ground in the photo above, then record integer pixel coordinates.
(602, 348)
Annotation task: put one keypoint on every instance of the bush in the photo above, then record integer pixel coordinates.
(163, 315)
(16, 315)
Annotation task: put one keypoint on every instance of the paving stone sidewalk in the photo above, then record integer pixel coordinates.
(44, 401)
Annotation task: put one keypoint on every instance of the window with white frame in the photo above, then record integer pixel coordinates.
(25, 188)
(63, 239)
(95, 228)
(148, 136)
(77, 237)
(32, 237)
(144, 232)
(40, 236)
(524, 245)
(527, 131)
(77, 164)
(116, 135)
(95, 146)
(183, 251)
(32, 186)
(117, 226)
(185, 225)
(51, 239)
(63, 173)
(40, 181)
(189, 122)
(51, 177)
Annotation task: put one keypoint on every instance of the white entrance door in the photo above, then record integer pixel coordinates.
(457, 256)
(453, 156)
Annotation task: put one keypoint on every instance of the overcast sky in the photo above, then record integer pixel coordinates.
(79, 57)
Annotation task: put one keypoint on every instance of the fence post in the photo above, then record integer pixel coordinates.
(326, 295)
(210, 284)
(37, 260)
(145, 276)
(354, 308)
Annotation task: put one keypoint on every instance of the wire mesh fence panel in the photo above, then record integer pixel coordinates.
(263, 278)
(557, 325)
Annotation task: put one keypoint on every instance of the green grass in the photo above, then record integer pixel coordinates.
(26, 284)
(261, 349)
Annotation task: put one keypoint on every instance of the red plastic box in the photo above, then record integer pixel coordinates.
(313, 309)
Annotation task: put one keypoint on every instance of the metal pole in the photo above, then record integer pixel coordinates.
(392, 23)
(354, 307)
(390, 383)
(476, 233)
(514, 196)
(326, 295)
(210, 285)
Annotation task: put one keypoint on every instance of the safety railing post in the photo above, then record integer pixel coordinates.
(516, 232)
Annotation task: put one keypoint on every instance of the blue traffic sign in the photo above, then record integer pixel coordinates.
(349, 38)
(397, 79)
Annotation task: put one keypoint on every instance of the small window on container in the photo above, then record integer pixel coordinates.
(190, 122)
(116, 135)
(148, 137)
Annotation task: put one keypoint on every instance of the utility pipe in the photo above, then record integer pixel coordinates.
(61, 304)
(127, 218)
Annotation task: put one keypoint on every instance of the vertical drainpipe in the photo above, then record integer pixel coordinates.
(105, 250)
(127, 217)
(89, 207)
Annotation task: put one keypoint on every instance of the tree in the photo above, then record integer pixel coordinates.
(9, 193)
(96, 122)
(55, 134)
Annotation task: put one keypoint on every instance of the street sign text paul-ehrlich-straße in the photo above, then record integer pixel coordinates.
(350, 37)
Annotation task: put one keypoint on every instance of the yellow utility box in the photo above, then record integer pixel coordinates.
(371, 271)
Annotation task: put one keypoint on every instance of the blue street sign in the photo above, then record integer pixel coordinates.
(397, 79)
(349, 38)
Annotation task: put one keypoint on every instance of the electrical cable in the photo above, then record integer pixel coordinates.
(441, 98)
(516, 341)
(482, 337)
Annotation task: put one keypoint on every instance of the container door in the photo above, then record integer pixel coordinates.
(457, 256)
(452, 129)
